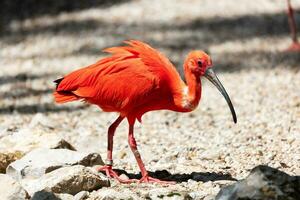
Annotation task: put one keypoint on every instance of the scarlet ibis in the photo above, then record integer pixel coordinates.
(295, 46)
(136, 79)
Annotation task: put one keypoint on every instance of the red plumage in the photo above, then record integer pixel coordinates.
(130, 81)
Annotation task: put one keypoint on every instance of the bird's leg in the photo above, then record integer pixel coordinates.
(295, 46)
(145, 177)
(107, 168)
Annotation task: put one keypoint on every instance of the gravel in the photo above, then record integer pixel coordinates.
(246, 40)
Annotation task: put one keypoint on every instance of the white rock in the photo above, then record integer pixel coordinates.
(70, 180)
(41, 119)
(65, 196)
(27, 139)
(81, 195)
(10, 189)
(41, 161)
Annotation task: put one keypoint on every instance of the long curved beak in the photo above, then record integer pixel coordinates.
(212, 77)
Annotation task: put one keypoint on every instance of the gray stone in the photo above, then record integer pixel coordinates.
(263, 183)
(47, 194)
(70, 180)
(10, 189)
(41, 161)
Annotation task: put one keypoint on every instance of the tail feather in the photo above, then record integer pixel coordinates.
(63, 97)
(57, 81)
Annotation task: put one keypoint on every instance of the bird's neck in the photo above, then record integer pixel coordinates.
(191, 91)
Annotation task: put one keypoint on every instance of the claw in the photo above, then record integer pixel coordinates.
(148, 179)
(145, 179)
(294, 47)
(112, 174)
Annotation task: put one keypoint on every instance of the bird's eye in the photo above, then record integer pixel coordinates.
(200, 63)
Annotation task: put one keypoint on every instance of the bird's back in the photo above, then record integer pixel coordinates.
(133, 77)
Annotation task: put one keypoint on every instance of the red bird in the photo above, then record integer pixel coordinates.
(136, 79)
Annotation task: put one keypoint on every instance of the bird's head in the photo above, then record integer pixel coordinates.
(200, 64)
(197, 62)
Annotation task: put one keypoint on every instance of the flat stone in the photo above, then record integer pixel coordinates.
(10, 189)
(263, 183)
(70, 180)
(41, 161)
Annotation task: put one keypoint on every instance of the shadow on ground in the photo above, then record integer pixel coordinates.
(220, 29)
(196, 34)
(38, 108)
(167, 176)
(25, 9)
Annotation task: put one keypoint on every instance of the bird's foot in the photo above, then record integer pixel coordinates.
(148, 179)
(112, 174)
(294, 47)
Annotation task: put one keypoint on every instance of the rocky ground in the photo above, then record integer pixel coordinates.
(246, 40)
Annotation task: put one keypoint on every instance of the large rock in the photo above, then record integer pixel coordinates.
(41, 161)
(70, 180)
(10, 189)
(263, 183)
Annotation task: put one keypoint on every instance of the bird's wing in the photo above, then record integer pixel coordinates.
(123, 78)
(151, 58)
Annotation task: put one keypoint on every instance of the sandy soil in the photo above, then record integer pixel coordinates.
(245, 40)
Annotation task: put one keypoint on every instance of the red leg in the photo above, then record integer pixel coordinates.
(132, 143)
(109, 162)
(295, 46)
